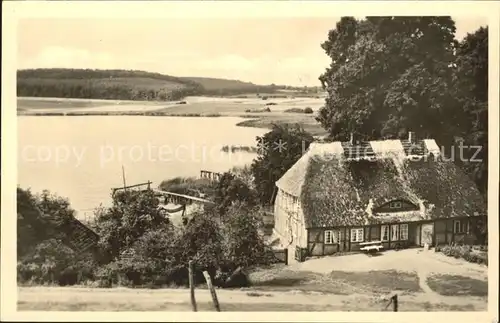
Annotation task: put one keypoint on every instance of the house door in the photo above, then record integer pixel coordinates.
(418, 229)
(427, 233)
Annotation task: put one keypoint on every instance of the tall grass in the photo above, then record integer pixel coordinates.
(188, 185)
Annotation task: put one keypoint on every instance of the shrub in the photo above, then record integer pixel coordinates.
(294, 110)
(51, 262)
(308, 110)
(138, 247)
(107, 275)
(258, 110)
(465, 252)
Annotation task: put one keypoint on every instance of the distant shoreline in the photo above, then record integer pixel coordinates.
(250, 108)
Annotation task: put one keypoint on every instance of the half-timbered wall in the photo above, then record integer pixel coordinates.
(457, 230)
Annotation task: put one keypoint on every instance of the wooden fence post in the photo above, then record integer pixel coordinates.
(191, 285)
(212, 291)
(286, 256)
(395, 303)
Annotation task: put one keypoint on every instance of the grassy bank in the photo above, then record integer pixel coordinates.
(307, 121)
(457, 285)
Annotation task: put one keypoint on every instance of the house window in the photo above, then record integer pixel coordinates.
(395, 232)
(357, 235)
(395, 205)
(403, 231)
(331, 237)
(384, 232)
(461, 226)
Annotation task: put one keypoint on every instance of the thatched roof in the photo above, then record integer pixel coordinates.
(339, 189)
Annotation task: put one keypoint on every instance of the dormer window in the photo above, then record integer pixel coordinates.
(395, 205)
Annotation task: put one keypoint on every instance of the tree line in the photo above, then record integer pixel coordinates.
(119, 85)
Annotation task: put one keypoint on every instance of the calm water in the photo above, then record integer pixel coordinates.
(81, 158)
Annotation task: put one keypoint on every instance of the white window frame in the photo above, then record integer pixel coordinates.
(405, 236)
(395, 232)
(329, 237)
(384, 229)
(395, 205)
(356, 236)
(463, 226)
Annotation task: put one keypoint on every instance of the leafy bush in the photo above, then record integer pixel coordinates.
(308, 110)
(138, 246)
(51, 262)
(132, 214)
(259, 110)
(465, 252)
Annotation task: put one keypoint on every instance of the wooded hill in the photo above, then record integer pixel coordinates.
(125, 85)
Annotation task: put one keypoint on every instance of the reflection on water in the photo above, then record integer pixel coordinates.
(81, 157)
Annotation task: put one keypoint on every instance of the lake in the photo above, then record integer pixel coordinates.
(81, 158)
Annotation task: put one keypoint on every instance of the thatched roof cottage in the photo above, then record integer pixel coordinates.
(401, 193)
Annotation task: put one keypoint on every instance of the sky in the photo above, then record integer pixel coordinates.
(260, 50)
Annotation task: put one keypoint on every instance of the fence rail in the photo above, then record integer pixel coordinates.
(213, 176)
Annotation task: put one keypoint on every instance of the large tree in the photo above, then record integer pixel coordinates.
(388, 75)
(39, 217)
(279, 149)
(132, 214)
(392, 75)
(231, 189)
(470, 85)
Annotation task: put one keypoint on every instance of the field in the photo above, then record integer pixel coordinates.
(220, 84)
(358, 283)
(249, 107)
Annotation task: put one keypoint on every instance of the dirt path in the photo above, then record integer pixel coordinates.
(64, 298)
(423, 263)
(411, 260)
(422, 281)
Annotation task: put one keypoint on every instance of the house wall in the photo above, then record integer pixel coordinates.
(443, 233)
(289, 222)
(316, 241)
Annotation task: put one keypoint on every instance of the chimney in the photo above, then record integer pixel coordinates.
(351, 140)
(412, 138)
